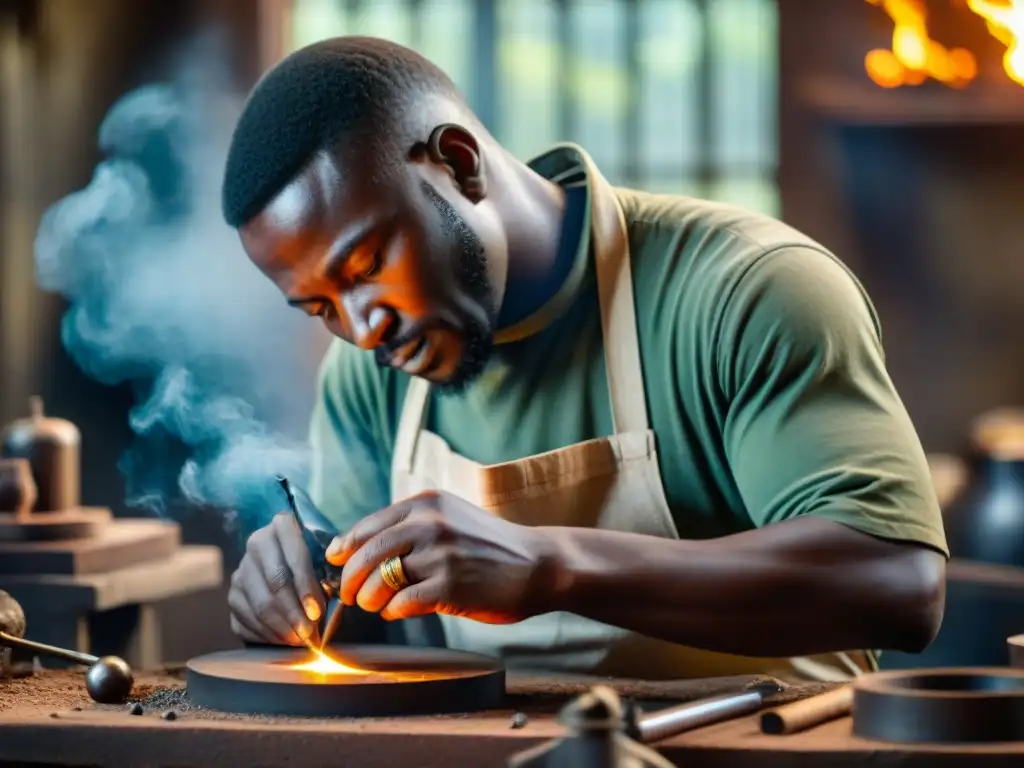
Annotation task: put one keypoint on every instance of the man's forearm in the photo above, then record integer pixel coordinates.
(796, 588)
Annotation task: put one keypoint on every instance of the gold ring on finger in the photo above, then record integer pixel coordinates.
(393, 574)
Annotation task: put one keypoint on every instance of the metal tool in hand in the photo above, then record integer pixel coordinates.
(108, 680)
(318, 533)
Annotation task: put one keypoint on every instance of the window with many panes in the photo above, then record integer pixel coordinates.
(667, 95)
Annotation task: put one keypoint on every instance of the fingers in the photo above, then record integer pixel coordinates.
(420, 599)
(253, 615)
(268, 611)
(343, 547)
(279, 581)
(297, 558)
(263, 598)
(240, 631)
(244, 624)
(365, 562)
(375, 594)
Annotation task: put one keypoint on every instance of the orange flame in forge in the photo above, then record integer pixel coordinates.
(915, 57)
(1005, 21)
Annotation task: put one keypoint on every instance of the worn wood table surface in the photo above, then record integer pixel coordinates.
(49, 720)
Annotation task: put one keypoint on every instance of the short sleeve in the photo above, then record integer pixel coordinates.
(349, 477)
(813, 423)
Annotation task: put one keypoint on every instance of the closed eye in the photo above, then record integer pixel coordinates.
(314, 308)
(367, 265)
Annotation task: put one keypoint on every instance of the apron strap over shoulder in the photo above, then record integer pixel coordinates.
(618, 311)
(409, 424)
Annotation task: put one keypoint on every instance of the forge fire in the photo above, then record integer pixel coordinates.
(915, 57)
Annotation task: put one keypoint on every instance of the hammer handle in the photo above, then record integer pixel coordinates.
(48, 650)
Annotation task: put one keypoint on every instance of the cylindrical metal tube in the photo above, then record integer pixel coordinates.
(686, 717)
(332, 622)
(48, 650)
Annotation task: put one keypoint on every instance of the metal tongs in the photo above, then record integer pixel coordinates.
(318, 533)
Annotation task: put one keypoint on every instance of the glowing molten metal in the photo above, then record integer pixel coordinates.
(322, 664)
(915, 57)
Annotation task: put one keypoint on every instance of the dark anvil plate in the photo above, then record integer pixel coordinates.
(398, 681)
(941, 706)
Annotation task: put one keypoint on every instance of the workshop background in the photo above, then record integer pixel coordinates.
(890, 130)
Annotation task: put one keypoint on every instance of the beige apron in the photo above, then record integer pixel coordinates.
(612, 483)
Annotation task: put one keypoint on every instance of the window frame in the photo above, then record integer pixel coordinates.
(702, 178)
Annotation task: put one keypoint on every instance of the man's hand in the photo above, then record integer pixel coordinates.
(459, 560)
(275, 596)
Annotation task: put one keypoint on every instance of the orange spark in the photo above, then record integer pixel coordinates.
(322, 664)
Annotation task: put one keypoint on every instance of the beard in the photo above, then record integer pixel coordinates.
(471, 277)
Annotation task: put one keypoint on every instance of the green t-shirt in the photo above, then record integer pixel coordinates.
(763, 372)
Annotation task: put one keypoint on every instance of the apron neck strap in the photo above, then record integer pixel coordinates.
(614, 272)
(613, 268)
(414, 408)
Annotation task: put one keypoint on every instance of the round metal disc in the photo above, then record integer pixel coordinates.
(940, 706)
(392, 680)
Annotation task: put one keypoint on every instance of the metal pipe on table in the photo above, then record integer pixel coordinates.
(696, 714)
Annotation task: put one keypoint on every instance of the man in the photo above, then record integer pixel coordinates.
(591, 429)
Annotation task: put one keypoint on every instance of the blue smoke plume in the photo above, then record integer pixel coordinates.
(162, 297)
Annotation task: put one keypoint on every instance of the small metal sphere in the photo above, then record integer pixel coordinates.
(109, 680)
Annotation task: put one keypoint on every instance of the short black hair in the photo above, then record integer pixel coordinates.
(333, 89)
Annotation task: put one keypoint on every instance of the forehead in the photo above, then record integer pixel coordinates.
(323, 203)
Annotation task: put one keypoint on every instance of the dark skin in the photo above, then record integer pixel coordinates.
(373, 260)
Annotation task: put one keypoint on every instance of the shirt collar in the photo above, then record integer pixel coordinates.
(567, 165)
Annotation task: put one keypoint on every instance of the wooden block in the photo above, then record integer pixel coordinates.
(113, 613)
(123, 543)
(79, 523)
(188, 569)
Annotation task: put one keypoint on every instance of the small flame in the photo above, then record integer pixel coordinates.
(322, 664)
(1005, 21)
(914, 56)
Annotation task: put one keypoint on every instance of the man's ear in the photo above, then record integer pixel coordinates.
(457, 149)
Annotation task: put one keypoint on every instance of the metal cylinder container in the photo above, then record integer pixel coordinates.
(52, 448)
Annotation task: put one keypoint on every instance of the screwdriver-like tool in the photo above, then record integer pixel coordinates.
(318, 533)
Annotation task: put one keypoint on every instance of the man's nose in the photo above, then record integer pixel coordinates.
(371, 326)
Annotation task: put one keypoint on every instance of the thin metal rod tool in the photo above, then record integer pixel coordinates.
(319, 533)
(76, 657)
(332, 623)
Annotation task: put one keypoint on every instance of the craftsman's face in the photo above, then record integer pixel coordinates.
(401, 263)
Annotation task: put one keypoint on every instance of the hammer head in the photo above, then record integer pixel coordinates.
(12, 621)
(12, 618)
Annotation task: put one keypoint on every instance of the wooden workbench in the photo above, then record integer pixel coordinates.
(50, 720)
